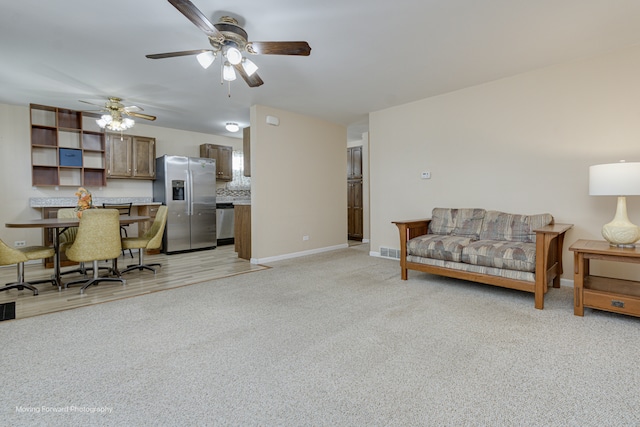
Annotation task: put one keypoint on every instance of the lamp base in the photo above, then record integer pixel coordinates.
(621, 232)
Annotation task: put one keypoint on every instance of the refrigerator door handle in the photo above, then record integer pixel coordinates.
(189, 193)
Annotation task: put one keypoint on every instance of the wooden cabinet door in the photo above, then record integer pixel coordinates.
(354, 210)
(246, 149)
(224, 164)
(354, 162)
(119, 156)
(144, 157)
(223, 155)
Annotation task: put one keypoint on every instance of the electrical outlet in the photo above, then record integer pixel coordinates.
(305, 237)
(19, 243)
(426, 175)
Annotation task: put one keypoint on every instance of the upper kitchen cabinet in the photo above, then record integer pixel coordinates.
(246, 148)
(131, 156)
(67, 148)
(354, 163)
(223, 155)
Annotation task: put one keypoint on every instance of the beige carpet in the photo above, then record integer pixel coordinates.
(334, 339)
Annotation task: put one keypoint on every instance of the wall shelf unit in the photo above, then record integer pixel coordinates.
(67, 148)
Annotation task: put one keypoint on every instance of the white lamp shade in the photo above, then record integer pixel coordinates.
(248, 66)
(206, 59)
(234, 56)
(228, 73)
(615, 179)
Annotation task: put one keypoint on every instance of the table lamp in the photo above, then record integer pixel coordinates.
(617, 179)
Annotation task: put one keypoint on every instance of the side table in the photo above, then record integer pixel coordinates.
(604, 293)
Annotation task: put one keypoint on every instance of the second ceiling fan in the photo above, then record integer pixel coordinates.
(229, 40)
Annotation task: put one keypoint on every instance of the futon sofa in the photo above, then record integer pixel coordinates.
(522, 252)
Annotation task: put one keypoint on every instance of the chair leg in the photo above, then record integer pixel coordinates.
(82, 269)
(124, 230)
(141, 265)
(21, 284)
(95, 279)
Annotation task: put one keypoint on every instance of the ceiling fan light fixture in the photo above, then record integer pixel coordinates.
(206, 59)
(228, 73)
(248, 66)
(232, 127)
(233, 55)
(116, 125)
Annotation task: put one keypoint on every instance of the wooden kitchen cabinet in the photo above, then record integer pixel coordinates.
(242, 230)
(224, 157)
(67, 148)
(246, 150)
(355, 215)
(131, 156)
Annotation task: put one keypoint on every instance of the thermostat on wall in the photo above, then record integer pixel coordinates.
(274, 121)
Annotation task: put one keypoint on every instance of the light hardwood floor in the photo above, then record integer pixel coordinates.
(177, 270)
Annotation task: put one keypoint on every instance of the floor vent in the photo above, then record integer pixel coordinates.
(8, 311)
(389, 253)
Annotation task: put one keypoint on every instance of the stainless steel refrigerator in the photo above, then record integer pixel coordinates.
(187, 185)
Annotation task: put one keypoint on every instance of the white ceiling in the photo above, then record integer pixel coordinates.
(366, 55)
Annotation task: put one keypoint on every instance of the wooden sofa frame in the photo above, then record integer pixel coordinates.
(549, 241)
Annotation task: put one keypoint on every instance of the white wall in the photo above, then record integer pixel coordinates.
(15, 168)
(521, 144)
(298, 185)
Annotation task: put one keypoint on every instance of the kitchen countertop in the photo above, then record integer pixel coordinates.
(63, 202)
(234, 200)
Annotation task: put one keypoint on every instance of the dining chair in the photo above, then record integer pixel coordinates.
(152, 239)
(19, 256)
(124, 209)
(98, 238)
(66, 239)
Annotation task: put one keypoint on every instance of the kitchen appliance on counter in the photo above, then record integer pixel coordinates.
(187, 185)
(224, 223)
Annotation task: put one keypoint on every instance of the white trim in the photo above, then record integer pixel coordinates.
(297, 254)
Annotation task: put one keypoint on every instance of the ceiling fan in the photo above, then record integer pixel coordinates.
(229, 39)
(115, 117)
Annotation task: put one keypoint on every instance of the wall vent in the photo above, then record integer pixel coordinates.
(389, 253)
(8, 311)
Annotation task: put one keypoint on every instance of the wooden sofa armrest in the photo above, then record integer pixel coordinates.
(549, 241)
(408, 230)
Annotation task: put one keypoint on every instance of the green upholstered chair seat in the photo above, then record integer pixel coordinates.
(19, 256)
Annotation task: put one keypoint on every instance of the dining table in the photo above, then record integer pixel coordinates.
(60, 225)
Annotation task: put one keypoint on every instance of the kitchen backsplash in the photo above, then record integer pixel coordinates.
(225, 194)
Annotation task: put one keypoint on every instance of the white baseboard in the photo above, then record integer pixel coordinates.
(297, 254)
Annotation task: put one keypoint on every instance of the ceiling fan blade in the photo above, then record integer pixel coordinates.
(279, 48)
(133, 109)
(174, 54)
(252, 80)
(140, 116)
(91, 103)
(194, 15)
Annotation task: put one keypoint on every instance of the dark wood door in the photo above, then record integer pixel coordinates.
(354, 194)
(354, 210)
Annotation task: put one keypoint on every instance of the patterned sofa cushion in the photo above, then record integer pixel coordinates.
(469, 223)
(437, 246)
(518, 256)
(458, 222)
(443, 221)
(512, 227)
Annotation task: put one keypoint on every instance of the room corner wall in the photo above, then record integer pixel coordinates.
(298, 185)
(521, 144)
